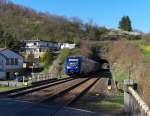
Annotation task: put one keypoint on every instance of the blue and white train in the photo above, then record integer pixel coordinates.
(76, 65)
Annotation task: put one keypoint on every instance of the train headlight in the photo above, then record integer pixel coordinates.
(68, 66)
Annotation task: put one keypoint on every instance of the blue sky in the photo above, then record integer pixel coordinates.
(102, 12)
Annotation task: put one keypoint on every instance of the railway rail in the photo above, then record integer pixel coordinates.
(32, 88)
(57, 90)
(58, 93)
(51, 100)
(49, 93)
(71, 96)
(61, 95)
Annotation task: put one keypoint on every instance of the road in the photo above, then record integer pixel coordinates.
(34, 107)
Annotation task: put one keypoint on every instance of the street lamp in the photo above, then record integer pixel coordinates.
(33, 65)
(16, 74)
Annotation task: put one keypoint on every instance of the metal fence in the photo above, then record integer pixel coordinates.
(40, 77)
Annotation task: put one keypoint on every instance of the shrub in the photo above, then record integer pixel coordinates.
(146, 38)
(63, 54)
(47, 57)
(122, 55)
(85, 48)
(58, 64)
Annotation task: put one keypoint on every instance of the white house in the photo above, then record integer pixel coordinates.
(67, 45)
(10, 62)
(37, 47)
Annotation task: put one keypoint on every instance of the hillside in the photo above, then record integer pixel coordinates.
(18, 22)
(129, 59)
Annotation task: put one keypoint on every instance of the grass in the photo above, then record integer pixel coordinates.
(3, 88)
(63, 76)
(46, 70)
(141, 45)
(7, 80)
(145, 52)
(110, 104)
(120, 76)
(146, 55)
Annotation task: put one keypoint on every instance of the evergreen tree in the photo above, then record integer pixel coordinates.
(125, 23)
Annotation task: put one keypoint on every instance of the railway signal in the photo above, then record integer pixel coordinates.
(109, 87)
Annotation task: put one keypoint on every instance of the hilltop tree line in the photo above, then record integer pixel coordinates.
(125, 23)
(18, 23)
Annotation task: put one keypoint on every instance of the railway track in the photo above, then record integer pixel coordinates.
(49, 93)
(56, 95)
(32, 88)
(63, 94)
(71, 96)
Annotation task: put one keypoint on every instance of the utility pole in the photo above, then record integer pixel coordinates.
(129, 71)
(130, 83)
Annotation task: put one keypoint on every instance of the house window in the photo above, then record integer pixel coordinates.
(1, 62)
(1, 68)
(7, 61)
(34, 43)
(40, 50)
(12, 61)
(1, 65)
(16, 61)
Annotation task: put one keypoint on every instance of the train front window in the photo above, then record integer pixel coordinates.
(73, 64)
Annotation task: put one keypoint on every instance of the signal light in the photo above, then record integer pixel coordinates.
(109, 87)
(97, 94)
